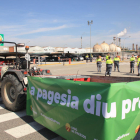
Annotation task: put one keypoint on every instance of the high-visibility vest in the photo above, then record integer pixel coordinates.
(132, 59)
(107, 57)
(98, 60)
(109, 61)
(117, 59)
(138, 61)
(86, 56)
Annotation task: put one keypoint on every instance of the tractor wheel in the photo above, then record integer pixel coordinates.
(12, 93)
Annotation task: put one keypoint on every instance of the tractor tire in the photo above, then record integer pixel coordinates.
(12, 93)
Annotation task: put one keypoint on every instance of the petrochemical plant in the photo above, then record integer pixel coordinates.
(104, 47)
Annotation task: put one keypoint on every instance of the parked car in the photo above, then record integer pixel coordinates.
(80, 58)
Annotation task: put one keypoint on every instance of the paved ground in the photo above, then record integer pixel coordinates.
(88, 68)
(15, 126)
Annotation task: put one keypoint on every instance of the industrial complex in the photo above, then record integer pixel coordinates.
(37, 50)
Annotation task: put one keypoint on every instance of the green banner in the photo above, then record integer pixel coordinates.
(85, 110)
(1, 39)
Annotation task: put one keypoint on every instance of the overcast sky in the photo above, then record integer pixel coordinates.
(61, 23)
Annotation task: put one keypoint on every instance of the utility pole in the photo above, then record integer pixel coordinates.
(89, 23)
(81, 42)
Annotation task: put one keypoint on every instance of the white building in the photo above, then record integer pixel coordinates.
(4, 49)
(88, 50)
(49, 49)
(59, 49)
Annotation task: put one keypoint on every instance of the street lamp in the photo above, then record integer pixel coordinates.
(81, 40)
(89, 23)
(63, 50)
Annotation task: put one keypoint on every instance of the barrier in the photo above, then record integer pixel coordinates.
(69, 60)
(33, 61)
(85, 110)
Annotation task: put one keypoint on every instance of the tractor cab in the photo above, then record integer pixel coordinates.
(14, 78)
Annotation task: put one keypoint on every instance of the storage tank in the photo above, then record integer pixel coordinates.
(112, 47)
(97, 48)
(118, 49)
(105, 47)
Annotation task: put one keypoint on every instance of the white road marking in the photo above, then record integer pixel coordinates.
(2, 106)
(24, 130)
(11, 116)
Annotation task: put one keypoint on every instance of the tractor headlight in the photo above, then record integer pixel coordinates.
(34, 68)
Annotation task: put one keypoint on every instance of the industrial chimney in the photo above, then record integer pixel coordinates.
(119, 42)
(114, 39)
(133, 47)
(136, 47)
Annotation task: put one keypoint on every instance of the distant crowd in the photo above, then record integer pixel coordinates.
(116, 61)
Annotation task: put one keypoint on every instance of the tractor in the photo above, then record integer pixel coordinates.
(14, 80)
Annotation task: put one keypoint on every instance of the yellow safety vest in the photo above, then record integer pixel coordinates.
(109, 61)
(132, 59)
(98, 60)
(107, 57)
(117, 59)
(138, 61)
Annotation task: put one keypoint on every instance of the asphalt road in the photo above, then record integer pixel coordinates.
(15, 126)
(88, 69)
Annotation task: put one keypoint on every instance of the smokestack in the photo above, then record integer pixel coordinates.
(114, 39)
(136, 47)
(133, 47)
(119, 42)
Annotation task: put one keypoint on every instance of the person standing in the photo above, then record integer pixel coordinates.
(99, 63)
(87, 58)
(109, 64)
(91, 58)
(58, 59)
(138, 65)
(132, 62)
(108, 55)
(116, 63)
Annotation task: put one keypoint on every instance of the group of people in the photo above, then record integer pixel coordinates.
(87, 57)
(109, 64)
